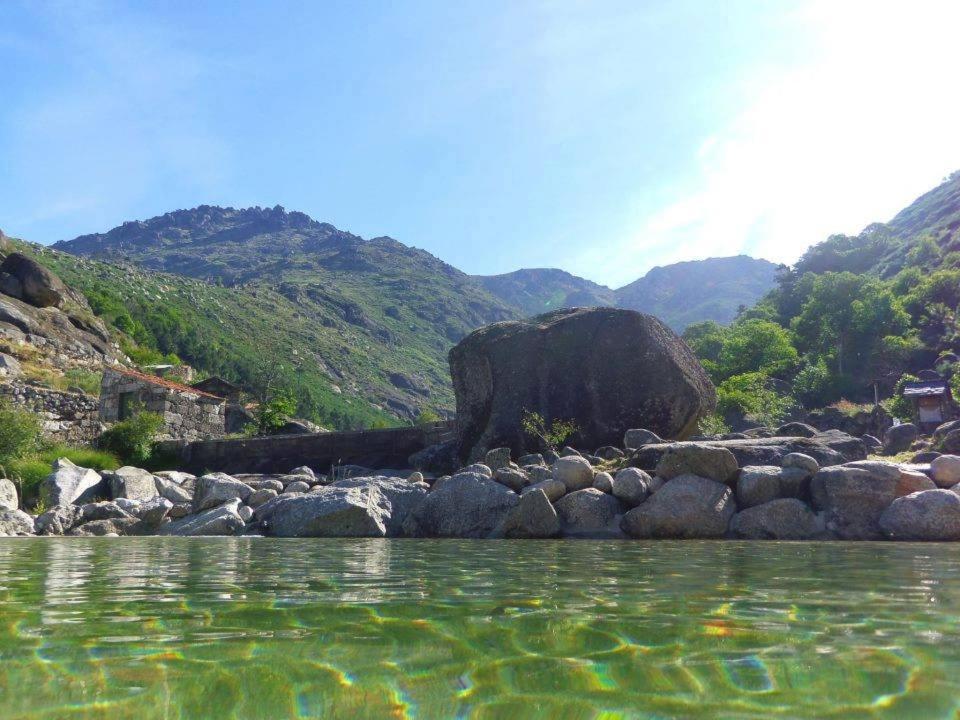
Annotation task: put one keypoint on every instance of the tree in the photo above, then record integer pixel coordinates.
(757, 346)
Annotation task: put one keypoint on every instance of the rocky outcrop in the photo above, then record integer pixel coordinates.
(26, 279)
(606, 370)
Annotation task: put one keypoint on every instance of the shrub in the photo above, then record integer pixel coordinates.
(28, 473)
(712, 424)
(272, 414)
(749, 396)
(132, 440)
(427, 417)
(19, 432)
(898, 405)
(85, 380)
(87, 457)
(550, 435)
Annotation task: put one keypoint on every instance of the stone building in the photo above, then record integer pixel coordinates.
(188, 413)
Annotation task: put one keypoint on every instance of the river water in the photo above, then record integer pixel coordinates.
(252, 628)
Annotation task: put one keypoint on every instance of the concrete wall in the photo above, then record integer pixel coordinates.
(388, 448)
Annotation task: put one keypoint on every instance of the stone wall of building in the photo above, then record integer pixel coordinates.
(187, 414)
(67, 417)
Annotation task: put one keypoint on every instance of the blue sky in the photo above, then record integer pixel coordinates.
(601, 137)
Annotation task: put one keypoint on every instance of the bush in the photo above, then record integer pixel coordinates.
(550, 435)
(274, 413)
(427, 417)
(898, 405)
(28, 473)
(712, 424)
(749, 397)
(132, 440)
(19, 432)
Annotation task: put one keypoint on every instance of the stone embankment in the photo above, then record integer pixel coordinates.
(816, 488)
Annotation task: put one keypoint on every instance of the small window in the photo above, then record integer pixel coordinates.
(128, 405)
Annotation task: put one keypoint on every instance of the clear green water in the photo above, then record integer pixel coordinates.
(249, 628)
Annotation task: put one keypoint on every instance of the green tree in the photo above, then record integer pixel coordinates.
(757, 346)
(750, 397)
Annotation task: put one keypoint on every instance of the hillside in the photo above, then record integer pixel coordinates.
(679, 294)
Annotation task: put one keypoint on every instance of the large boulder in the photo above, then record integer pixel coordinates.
(67, 483)
(466, 505)
(574, 472)
(216, 489)
(945, 470)
(532, 517)
(132, 483)
(404, 496)
(781, 519)
(328, 512)
(605, 369)
(588, 513)
(38, 286)
(685, 507)
(757, 485)
(8, 495)
(715, 463)
(14, 523)
(899, 438)
(924, 515)
(221, 520)
(855, 495)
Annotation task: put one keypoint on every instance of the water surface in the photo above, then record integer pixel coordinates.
(250, 628)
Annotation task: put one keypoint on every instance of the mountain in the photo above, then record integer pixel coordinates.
(679, 294)
(539, 290)
(688, 292)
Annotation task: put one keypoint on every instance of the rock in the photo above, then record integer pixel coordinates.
(303, 471)
(574, 472)
(467, 505)
(497, 458)
(263, 483)
(553, 489)
(532, 517)
(261, 497)
(799, 460)
(638, 437)
(9, 366)
(538, 473)
(113, 527)
(950, 444)
(685, 507)
(130, 506)
(67, 483)
(604, 369)
(216, 489)
(102, 511)
(180, 510)
(59, 520)
(757, 485)
(415, 477)
(945, 470)
(479, 469)
(780, 519)
(603, 482)
(631, 485)
(175, 476)
(329, 512)
(796, 429)
(15, 523)
(531, 459)
(153, 512)
(705, 461)
(871, 441)
(295, 487)
(402, 496)
(38, 286)
(926, 515)
(131, 483)
(912, 481)
(440, 458)
(899, 438)
(927, 456)
(609, 452)
(172, 491)
(588, 513)
(246, 513)
(221, 520)
(8, 495)
(516, 480)
(943, 430)
(854, 496)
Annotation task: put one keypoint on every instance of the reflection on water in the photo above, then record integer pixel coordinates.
(250, 628)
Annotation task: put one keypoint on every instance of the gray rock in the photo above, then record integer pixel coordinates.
(415, 477)
(221, 520)
(296, 487)
(180, 510)
(38, 285)
(796, 429)
(467, 505)
(479, 469)
(945, 470)
(781, 519)
(871, 441)
(553, 489)
(403, 496)
(685, 507)
(899, 438)
(130, 506)
(330, 512)
(246, 513)
(603, 482)
(705, 461)
(538, 473)
(107, 527)
(262, 482)
(631, 485)
(131, 483)
(609, 452)
(216, 489)
(261, 497)
(172, 491)
(304, 471)
(531, 459)
(154, 511)
(59, 520)
(102, 511)
(574, 472)
(497, 458)
(180, 478)
(854, 497)
(588, 513)
(9, 366)
(516, 480)
(532, 517)
(8, 495)
(799, 460)
(570, 452)
(15, 523)
(638, 437)
(67, 483)
(925, 515)
(758, 484)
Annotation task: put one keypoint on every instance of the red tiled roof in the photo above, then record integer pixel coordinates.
(169, 384)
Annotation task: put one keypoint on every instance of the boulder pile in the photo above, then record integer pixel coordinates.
(693, 489)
